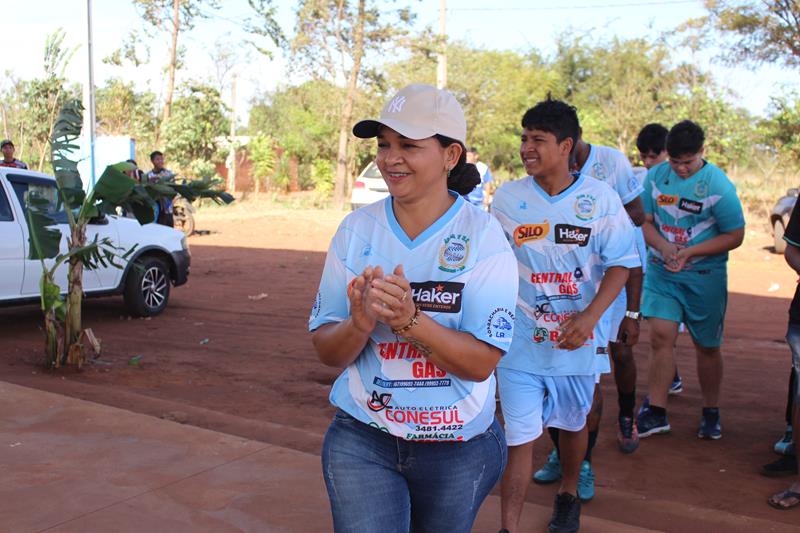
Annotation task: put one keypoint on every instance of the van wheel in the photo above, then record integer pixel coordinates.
(777, 234)
(147, 287)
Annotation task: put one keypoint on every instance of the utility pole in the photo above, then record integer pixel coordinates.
(441, 64)
(232, 156)
(89, 117)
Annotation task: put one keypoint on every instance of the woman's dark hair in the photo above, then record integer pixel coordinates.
(464, 177)
(685, 138)
(553, 116)
(652, 138)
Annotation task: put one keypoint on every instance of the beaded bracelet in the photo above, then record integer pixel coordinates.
(411, 323)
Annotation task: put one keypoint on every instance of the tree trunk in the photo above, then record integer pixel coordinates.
(73, 326)
(340, 184)
(173, 60)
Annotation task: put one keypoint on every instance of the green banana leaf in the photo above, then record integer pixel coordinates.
(43, 238)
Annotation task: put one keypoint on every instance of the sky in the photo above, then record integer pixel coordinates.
(502, 24)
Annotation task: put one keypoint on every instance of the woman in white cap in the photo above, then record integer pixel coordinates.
(416, 304)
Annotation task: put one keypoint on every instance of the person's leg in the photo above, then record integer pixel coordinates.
(709, 371)
(662, 340)
(791, 496)
(448, 481)
(573, 450)
(522, 402)
(625, 377)
(359, 464)
(593, 422)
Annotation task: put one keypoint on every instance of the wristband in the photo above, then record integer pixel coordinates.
(635, 315)
(411, 323)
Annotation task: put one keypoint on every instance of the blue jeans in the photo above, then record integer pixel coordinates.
(380, 483)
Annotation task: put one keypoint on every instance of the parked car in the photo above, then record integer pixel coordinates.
(368, 188)
(779, 218)
(161, 257)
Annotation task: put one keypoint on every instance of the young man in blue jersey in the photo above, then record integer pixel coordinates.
(574, 244)
(694, 218)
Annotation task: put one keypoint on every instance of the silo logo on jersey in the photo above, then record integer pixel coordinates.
(454, 253)
(531, 232)
(569, 234)
(666, 199)
(585, 206)
(437, 296)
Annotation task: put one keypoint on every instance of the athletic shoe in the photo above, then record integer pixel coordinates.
(784, 466)
(586, 482)
(550, 472)
(627, 435)
(648, 423)
(645, 405)
(785, 446)
(709, 425)
(566, 514)
(677, 385)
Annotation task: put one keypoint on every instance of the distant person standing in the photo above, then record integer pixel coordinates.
(479, 196)
(7, 147)
(164, 214)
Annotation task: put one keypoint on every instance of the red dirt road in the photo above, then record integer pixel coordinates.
(231, 353)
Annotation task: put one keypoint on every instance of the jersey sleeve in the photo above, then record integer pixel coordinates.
(728, 210)
(331, 303)
(491, 292)
(617, 238)
(626, 184)
(792, 232)
(647, 192)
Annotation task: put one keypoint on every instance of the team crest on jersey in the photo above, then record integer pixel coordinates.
(585, 206)
(500, 323)
(599, 171)
(454, 253)
(531, 232)
(701, 189)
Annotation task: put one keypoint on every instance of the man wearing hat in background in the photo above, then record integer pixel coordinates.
(7, 148)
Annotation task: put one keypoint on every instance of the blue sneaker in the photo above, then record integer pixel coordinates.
(550, 472)
(648, 423)
(586, 482)
(677, 385)
(785, 446)
(709, 425)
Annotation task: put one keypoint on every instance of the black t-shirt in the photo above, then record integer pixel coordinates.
(792, 237)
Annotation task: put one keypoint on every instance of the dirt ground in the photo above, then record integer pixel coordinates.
(231, 353)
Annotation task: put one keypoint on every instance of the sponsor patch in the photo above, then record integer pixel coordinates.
(379, 402)
(585, 206)
(453, 253)
(666, 199)
(569, 234)
(411, 383)
(500, 323)
(690, 206)
(437, 296)
(531, 232)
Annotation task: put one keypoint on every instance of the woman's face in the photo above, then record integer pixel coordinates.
(413, 168)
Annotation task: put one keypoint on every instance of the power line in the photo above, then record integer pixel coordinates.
(573, 7)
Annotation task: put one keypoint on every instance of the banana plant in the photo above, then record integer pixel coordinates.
(114, 189)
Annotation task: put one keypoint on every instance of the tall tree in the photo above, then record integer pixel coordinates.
(173, 16)
(335, 39)
(766, 31)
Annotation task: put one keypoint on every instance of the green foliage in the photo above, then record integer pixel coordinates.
(322, 176)
(264, 157)
(122, 110)
(198, 120)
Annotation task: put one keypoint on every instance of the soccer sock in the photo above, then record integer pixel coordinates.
(554, 437)
(790, 399)
(626, 401)
(590, 445)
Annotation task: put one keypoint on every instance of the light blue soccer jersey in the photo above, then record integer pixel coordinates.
(464, 276)
(611, 166)
(563, 245)
(690, 211)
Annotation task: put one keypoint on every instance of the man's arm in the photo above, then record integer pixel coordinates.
(792, 256)
(629, 328)
(635, 209)
(724, 242)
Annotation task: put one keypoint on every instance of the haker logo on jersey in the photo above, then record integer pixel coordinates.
(667, 199)
(437, 296)
(690, 206)
(569, 234)
(531, 232)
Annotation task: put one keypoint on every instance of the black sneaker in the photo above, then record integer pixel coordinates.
(785, 466)
(566, 514)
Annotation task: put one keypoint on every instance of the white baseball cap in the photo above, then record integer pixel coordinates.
(418, 111)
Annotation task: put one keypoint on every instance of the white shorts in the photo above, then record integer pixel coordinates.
(531, 402)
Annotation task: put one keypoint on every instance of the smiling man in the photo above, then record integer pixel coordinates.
(694, 218)
(574, 244)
